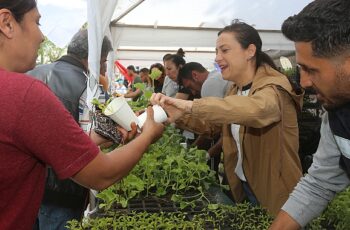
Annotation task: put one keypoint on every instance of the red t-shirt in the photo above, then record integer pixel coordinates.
(35, 131)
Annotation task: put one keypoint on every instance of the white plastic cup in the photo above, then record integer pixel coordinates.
(160, 116)
(120, 112)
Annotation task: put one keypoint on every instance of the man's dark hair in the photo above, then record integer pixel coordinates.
(132, 68)
(144, 70)
(79, 45)
(186, 71)
(324, 23)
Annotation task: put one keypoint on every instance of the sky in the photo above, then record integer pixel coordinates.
(61, 19)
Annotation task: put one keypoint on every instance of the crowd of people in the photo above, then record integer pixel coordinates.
(246, 109)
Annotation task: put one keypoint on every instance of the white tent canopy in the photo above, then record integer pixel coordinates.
(151, 28)
(263, 14)
(198, 43)
(98, 19)
(144, 30)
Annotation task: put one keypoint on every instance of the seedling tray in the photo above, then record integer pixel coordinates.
(153, 204)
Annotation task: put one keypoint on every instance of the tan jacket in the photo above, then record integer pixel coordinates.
(268, 135)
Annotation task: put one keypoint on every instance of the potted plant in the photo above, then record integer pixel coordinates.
(104, 125)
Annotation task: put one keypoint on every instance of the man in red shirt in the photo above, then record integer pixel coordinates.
(37, 131)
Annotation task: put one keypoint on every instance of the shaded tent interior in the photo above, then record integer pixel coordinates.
(144, 31)
(142, 43)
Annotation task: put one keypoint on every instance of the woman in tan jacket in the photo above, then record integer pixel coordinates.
(258, 118)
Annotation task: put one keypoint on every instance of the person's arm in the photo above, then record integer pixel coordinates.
(175, 108)
(106, 169)
(133, 94)
(97, 139)
(104, 82)
(284, 221)
(314, 191)
(258, 110)
(182, 96)
(48, 134)
(179, 111)
(126, 135)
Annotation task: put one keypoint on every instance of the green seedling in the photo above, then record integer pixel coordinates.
(100, 105)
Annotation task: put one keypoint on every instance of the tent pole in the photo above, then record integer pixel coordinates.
(126, 12)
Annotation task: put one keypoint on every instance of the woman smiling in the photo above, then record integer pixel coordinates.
(258, 117)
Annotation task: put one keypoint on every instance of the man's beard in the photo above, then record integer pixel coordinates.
(341, 94)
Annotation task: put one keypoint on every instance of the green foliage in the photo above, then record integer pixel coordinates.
(100, 105)
(141, 103)
(140, 86)
(155, 73)
(169, 170)
(291, 72)
(337, 214)
(242, 216)
(49, 52)
(166, 168)
(146, 92)
(121, 192)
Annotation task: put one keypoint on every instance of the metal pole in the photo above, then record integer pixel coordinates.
(114, 22)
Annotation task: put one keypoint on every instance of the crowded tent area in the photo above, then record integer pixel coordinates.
(150, 114)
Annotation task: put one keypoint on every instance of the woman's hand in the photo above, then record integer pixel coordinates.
(152, 128)
(128, 135)
(175, 108)
(96, 138)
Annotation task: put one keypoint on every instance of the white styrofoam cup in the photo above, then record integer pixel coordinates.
(160, 116)
(120, 112)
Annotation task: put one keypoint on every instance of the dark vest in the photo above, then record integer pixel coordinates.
(67, 81)
(339, 122)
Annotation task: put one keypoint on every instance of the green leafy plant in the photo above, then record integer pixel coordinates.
(49, 52)
(166, 168)
(155, 74)
(291, 72)
(173, 175)
(242, 216)
(147, 93)
(337, 214)
(100, 105)
(143, 101)
(121, 192)
(140, 104)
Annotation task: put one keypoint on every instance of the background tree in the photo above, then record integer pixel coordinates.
(49, 52)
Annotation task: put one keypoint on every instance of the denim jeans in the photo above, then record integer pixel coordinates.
(52, 217)
(249, 193)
